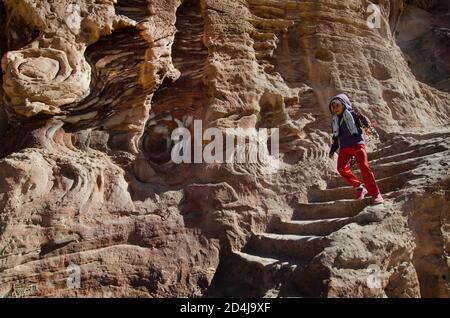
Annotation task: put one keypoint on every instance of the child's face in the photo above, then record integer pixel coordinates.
(337, 107)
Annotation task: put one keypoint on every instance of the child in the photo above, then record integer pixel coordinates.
(347, 136)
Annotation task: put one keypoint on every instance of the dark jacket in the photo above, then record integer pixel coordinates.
(345, 138)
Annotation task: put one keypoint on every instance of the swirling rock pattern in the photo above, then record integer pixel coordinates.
(45, 75)
(91, 91)
(117, 97)
(178, 104)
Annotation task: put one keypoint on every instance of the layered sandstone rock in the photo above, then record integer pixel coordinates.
(92, 91)
(423, 34)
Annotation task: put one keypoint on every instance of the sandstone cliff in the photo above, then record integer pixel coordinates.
(92, 89)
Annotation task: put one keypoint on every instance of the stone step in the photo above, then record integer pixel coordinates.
(264, 275)
(330, 209)
(426, 137)
(386, 185)
(424, 150)
(392, 148)
(268, 262)
(246, 275)
(299, 247)
(398, 146)
(312, 227)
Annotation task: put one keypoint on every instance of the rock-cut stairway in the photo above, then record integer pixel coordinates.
(266, 264)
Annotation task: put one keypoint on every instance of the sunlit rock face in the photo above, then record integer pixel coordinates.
(43, 77)
(93, 204)
(423, 34)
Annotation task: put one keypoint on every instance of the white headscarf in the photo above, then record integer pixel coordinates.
(346, 116)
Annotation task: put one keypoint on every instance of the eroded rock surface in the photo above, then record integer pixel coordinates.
(92, 90)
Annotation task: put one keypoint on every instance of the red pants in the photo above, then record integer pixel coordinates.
(343, 167)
